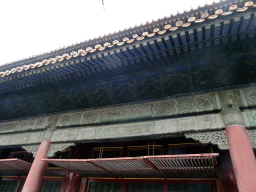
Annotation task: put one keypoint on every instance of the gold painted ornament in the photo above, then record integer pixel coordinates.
(167, 26)
(242, 9)
(205, 15)
(218, 12)
(186, 24)
(199, 20)
(140, 38)
(191, 19)
(115, 42)
(162, 32)
(145, 34)
(131, 40)
(125, 39)
(227, 13)
(151, 35)
(232, 7)
(179, 23)
(156, 30)
(248, 3)
(212, 17)
(173, 28)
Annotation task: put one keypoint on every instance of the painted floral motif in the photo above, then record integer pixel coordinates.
(40, 123)
(187, 124)
(185, 105)
(125, 130)
(203, 103)
(76, 118)
(166, 108)
(90, 117)
(8, 127)
(207, 121)
(251, 96)
(59, 135)
(125, 113)
(23, 125)
(66, 120)
(252, 137)
(166, 126)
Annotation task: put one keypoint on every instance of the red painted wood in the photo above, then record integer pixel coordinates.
(83, 184)
(74, 182)
(38, 168)
(242, 156)
(17, 187)
(103, 169)
(64, 183)
(71, 183)
(226, 173)
(17, 165)
(123, 186)
(170, 166)
(165, 188)
(154, 167)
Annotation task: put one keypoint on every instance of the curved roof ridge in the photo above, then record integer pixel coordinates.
(148, 24)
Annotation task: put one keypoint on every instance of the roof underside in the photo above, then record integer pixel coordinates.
(150, 53)
(119, 35)
(209, 54)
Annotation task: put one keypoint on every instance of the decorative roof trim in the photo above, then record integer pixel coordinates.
(179, 24)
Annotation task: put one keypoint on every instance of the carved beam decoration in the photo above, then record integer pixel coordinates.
(31, 149)
(55, 147)
(214, 137)
(252, 137)
(218, 138)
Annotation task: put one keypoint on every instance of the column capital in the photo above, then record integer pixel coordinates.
(51, 127)
(231, 114)
(238, 125)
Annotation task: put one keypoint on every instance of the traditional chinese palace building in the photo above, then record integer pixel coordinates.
(169, 105)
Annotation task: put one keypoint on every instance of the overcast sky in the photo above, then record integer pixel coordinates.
(30, 27)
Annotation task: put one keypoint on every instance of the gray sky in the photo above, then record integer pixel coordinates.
(31, 27)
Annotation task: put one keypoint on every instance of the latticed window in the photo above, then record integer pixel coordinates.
(151, 186)
(145, 150)
(23, 155)
(190, 187)
(107, 152)
(188, 148)
(21, 186)
(8, 185)
(104, 187)
(50, 186)
(144, 187)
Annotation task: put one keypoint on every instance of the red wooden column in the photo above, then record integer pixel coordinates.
(64, 183)
(37, 170)
(74, 182)
(71, 183)
(242, 157)
(83, 184)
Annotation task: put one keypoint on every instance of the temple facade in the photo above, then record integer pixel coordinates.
(169, 105)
